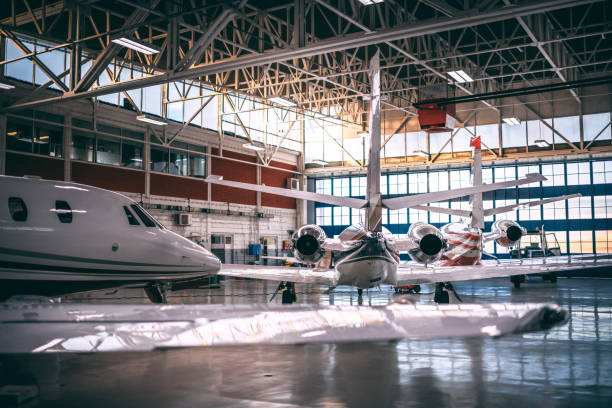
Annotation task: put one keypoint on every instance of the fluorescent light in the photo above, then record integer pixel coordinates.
(512, 121)
(145, 118)
(136, 45)
(282, 101)
(541, 143)
(363, 134)
(460, 76)
(251, 146)
(420, 153)
(6, 86)
(321, 162)
(12, 133)
(43, 137)
(370, 2)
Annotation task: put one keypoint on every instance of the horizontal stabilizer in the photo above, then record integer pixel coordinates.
(419, 199)
(301, 195)
(442, 210)
(507, 208)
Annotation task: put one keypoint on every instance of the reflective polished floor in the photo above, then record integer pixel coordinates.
(568, 366)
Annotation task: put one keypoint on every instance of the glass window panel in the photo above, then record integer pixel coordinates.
(384, 188)
(510, 215)
(487, 175)
(459, 205)
(398, 184)
(460, 178)
(602, 206)
(594, 124)
(554, 211)
(581, 242)
(82, 147)
(398, 216)
(341, 187)
(358, 186)
(19, 135)
(197, 165)
(438, 218)
(417, 215)
(578, 174)
(342, 216)
(417, 183)
(357, 216)
(323, 216)
(555, 174)
(579, 208)
(486, 204)
(603, 242)
(178, 162)
(323, 186)
(107, 150)
(529, 213)
(602, 172)
(438, 181)
(131, 154)
(22, 69)
(159, 159)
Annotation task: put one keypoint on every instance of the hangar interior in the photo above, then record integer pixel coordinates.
(150, 97)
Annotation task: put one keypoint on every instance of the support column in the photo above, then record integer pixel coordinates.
(301, 213)
(3, 144)
(208, 173)
(258, 182)
(581, 123)
(67, 147)
(146, 157)
(499, 134)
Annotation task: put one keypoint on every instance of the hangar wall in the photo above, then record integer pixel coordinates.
(108, 148)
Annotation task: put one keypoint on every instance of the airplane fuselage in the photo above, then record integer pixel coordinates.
(62, 233)
(464, 245)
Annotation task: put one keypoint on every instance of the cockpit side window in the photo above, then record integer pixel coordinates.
(18, 209)
(63, 211)
(131, 219)
(146, 220)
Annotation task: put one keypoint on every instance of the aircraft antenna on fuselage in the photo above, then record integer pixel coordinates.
(374, 198)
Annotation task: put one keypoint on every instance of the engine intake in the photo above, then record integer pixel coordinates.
(307, 243)
(507, 232)
(428, 243)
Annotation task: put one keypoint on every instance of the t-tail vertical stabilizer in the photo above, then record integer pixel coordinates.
(374, 198)
(477, 220)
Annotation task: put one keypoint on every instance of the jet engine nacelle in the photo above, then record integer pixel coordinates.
(307, 243)
(428, 243)
(507, 232)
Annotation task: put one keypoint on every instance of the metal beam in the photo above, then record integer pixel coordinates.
(110, 52)
(326, 46)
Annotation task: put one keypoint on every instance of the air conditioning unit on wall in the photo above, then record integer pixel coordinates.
(183, 219)
(293, 183)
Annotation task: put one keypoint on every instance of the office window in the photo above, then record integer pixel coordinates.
(357, 216)
(459, 205)
(487, 175)
(438, 181)
(159, 159)
(417, 183)
(603, 242)
(178, 162)
(602, 172)
(342, 187)
(398, 184)
(34, 137)
(602, 206)
(323, 216)
(417, 215)
(579, 208)
(107, 150)
(555, 174)
(554, 211)
(578, 174)
(342, 216)
(522, 171)
(581, 242)
(509, 215)
(529, 213)
(358, 186)
(398, 216)
(83, 147)
(460, 178)
(323, 186)
(438, 218)
(131, 154)
(197, 165)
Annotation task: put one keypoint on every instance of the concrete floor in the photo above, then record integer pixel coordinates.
(568, 366)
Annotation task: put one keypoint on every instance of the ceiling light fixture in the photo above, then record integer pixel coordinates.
(420, 153)
(6, 86)
(541, 143)
(460, 76)
(512, 121)
(12, 133)
(252, 146)
(321, 162)
(145, 118)
(370, 2)
(136, 45)
(282, 101)
(363, 134)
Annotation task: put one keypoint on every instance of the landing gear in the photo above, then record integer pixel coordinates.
(517, 280)
(359, 292)
(552, 277)
(441, 295)
(156, 292)
(288, 297)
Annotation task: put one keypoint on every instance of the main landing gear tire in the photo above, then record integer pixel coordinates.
(359, 292)
(156, 293)
(441, 295)
(517, 280)
(289, 297)
(552, 277)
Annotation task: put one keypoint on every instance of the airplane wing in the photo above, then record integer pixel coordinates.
(49, 328)
(420, 199)
(302, 195)
(281, 273)
(413, 274)
(500, 210)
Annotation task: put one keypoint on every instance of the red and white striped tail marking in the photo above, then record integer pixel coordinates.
(465, 249)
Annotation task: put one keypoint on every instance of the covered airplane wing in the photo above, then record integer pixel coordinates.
(60, 327)
(281, 273)
(412, 274)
